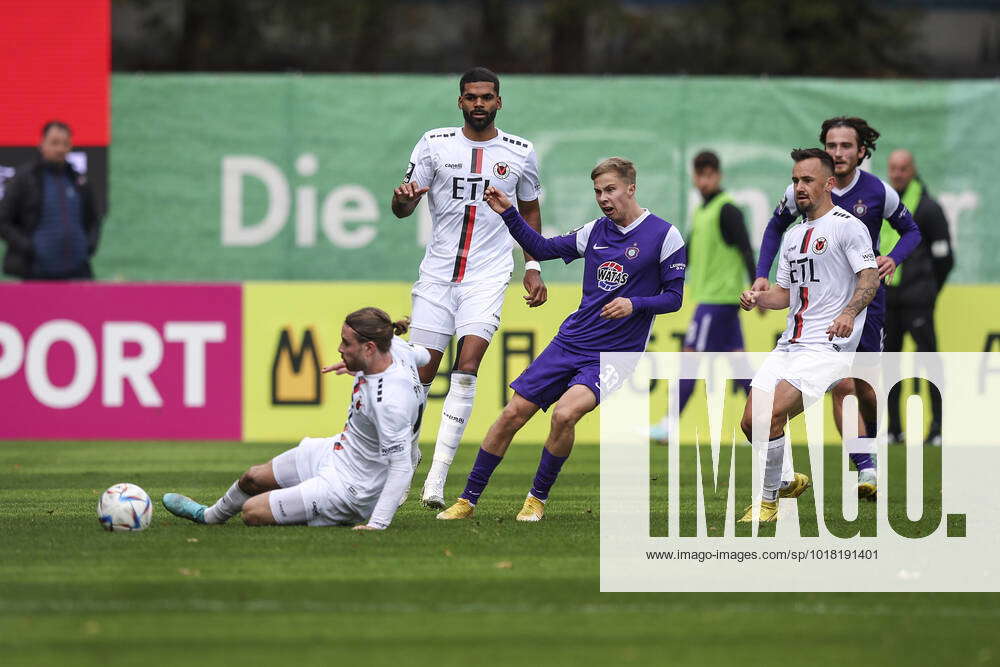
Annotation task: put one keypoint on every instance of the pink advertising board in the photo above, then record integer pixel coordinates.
(130, 361)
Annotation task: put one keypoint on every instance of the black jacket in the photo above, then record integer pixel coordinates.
(927, 267)
(21, 210)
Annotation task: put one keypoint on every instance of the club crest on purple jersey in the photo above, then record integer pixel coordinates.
(632, 252)
(610, 276)
(860, 209)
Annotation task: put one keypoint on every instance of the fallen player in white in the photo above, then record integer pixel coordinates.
(357, 477)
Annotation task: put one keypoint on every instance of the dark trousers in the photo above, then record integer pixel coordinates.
(82, 273)
(919, 323)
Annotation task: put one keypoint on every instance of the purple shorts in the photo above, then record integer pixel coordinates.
(715, 328)
(872, 337)
(554, 371)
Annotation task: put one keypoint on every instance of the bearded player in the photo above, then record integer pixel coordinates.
(849, 141)
(827, 276)
(468, 263)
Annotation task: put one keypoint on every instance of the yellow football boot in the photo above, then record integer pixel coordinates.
(796, 487)
(867, 484)
(462, 509)
(533, 510)
(768, 512)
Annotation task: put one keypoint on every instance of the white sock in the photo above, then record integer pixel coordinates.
(415, 455)
(454, 418)
(787, 466)
(772, 468)
(228, 505)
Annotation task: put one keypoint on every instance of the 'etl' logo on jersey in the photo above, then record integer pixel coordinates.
(468, 188)
(611, 276)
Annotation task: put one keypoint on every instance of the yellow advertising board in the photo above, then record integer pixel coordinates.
(291, 329)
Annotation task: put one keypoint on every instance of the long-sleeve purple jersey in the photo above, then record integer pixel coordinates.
(643, 262)
(868, 198)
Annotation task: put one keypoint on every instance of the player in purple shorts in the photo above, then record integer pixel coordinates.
(634, 266)
(849, 141)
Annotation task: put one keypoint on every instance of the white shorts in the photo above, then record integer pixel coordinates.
(812, 370)
(441, 310)
(305, 497)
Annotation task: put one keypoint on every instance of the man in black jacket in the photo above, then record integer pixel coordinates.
(913, 290)
(47, 215)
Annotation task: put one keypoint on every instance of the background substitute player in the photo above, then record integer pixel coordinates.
(633, 270)
(468, 262)
(356, 476)
(849, 141)
(720, 259)
(827, 276)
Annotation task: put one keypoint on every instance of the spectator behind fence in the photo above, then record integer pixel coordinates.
(911, 293)
(47, 215)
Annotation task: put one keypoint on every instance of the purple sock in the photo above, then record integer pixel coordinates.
(479, 477)
(684, 394)
(865, 461)
(548, 469)
(862, 461)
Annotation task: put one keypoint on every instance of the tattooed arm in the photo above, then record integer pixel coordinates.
(864, 292)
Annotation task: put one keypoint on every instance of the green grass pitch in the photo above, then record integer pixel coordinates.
(487, 591)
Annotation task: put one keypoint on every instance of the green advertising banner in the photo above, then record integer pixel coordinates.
(276, 177)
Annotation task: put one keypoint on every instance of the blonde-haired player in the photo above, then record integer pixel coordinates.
(355, 477)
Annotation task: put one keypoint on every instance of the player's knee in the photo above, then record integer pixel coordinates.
(252, 481)
(513, 416)
(253, 518)
(565, 417)
(843, 388)
(253, 512)
(865, 392)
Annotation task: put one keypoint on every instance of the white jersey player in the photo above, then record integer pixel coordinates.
(469, 242)
(357, 476)
(468, 262)
(827, 276)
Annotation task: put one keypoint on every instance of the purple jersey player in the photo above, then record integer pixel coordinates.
(634, 270)
(849, 141)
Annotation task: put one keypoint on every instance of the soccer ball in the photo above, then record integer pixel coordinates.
(124, 507)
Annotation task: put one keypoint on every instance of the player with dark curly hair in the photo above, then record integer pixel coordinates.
(866, 134)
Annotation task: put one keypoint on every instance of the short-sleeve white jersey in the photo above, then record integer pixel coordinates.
(383, 425)
(818, 264)
(469, 242)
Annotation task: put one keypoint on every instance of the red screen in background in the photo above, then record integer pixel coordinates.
(55, 59)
